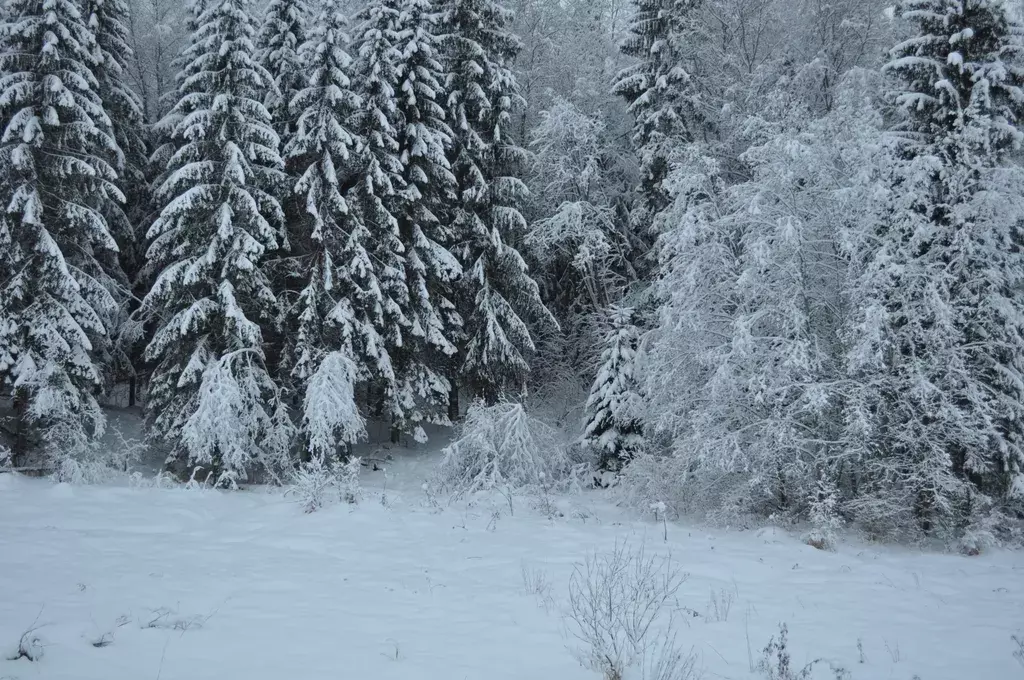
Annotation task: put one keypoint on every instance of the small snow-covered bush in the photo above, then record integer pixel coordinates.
(618, 612)
(94, 463)
(348, 480)
(502, 447)
(6, 457)
(825, 518)
(313, 483)
(316, 483)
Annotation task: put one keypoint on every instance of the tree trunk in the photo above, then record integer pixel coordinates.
(20, 429)
(132, 386)
(453, 401)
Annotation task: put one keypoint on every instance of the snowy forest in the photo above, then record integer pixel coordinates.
(748, 257)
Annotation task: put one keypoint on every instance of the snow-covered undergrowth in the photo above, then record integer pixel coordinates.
(502, 447)
(125, 583)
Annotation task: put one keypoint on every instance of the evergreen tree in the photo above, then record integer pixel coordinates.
(280, 40)
(340, 308)
(108, 21)
(662, 93)
(54, 305)
(211, 399)
(377, 195)
(939, 413)
(497, 297)
(282, 34)
(613, 427)
(400, 69)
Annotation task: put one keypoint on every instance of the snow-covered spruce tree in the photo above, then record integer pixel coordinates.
(54, 306)
(497, 296)
(378, 194)
(282, 34)
(279, 41)
(108, 21)
(334, 342)
(613, 427)
(211, 399)
(162, 141)
(938, 416)
(422, 359)
(663, 93)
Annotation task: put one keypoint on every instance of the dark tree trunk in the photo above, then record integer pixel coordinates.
(21, 426)
(453, 401)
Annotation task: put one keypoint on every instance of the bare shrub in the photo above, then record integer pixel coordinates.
(719, 605)
(166, 618)
(667, 661)
(1018, 653)
(776, 663)
(619, 615)
(536, 583)
(30, 644)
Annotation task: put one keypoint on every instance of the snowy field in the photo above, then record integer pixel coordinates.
(134, 584)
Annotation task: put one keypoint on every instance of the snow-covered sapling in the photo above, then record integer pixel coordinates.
(312, 483)
(612, 426)
(825, 516)
(545, 501)
(431, 497)
(348, 480)
(501, 447)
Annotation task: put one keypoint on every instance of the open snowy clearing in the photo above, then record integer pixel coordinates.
(129, 584)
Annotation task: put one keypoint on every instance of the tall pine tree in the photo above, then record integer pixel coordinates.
(280, 39)
(939, 413)
(211, 398)
(54, 305)
(282, 34)
(408, 180)
(430, 267)
(108, 20)
(662, 94)
(497, 297)
(340, 308)
(376, 197)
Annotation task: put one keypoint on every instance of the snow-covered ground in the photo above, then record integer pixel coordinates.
(133, 584)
